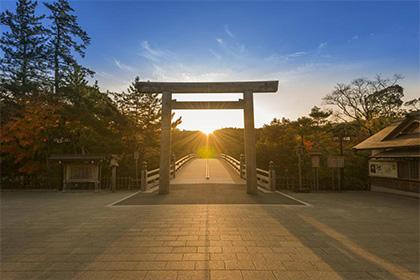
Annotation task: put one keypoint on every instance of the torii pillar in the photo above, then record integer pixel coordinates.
(247, 104)
(249, 139)
(165, 143)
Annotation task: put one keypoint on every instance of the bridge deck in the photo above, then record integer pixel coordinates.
(195, 173)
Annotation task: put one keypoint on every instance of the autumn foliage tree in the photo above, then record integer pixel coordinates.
(27, 137)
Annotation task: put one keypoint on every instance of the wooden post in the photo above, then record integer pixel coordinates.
(113, 178)
(143, 175)
(165, 143)
(250, 157)
(241, 165)
(173, 167)
(64, 189)
(272, 176)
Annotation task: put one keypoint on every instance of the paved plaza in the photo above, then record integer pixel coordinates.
(77, 235)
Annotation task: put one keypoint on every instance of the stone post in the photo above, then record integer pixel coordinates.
(113, 164)
(165, 144)
(272, 177)
(143, 175)
(241, 165)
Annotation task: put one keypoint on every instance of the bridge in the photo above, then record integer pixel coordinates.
(246, 104)
(207, 181)
(221, 170)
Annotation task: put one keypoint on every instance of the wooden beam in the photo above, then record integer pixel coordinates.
(207, 87)
(207, 105)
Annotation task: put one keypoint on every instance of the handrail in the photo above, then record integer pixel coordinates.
(265, 179)
(150, 179)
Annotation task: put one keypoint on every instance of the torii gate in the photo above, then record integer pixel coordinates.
(247, 104)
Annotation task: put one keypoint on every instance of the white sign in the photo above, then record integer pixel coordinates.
(383, 169)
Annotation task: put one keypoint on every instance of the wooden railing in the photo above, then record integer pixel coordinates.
(150, 179)
(265, 179)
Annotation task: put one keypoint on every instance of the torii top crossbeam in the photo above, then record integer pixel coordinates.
(247, 104)
(208, 87)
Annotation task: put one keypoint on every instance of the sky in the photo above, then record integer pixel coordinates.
(308, 47)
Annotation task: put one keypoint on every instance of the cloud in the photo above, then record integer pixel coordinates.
(218, 56)
(123, 66)
(228, 32)
(296, 54)
(354, 38)
(322, 45)
(220, 41)
(151, 53)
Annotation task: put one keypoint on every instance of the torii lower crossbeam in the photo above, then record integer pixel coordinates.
(247, 104)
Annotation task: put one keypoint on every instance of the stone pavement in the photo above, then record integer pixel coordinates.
(75, 235)
(208, 194)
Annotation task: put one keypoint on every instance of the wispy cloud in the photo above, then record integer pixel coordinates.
(228, 32)
(322, 45)
(152, 54)
(296, 54)
(220, 41)
(123, 66)
(218, 56)
(354, 38)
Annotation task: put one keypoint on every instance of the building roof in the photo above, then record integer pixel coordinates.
(411, 153)
(401, 134)
(81, 157)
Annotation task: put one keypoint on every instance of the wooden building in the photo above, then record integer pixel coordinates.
(84, 169)
(394, 162)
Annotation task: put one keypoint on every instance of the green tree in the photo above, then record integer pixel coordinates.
(143, 111)
(23, 63)
(63, 36)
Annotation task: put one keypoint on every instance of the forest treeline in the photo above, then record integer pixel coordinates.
(48, 107)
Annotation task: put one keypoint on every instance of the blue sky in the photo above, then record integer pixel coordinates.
(308, 46)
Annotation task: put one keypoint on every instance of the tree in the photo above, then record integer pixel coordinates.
(143, 111)
(27, 136)
(372, 104)
(24, 53)
(62, 40)
(413, 105)
(319, 116)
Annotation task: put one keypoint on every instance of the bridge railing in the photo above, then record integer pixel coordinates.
(150, 178)
(265, 178)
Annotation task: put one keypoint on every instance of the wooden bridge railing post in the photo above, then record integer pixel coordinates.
(173, 165)
(144, 185)
(272, 176)
(241, 165)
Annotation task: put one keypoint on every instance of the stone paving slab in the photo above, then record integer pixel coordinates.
(207, 194)
(75, 235)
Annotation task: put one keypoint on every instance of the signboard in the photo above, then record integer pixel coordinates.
(136, 155)
(315, 161)
(335, 162)
(383, 169)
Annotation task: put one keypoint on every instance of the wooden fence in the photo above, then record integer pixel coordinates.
(265, 178)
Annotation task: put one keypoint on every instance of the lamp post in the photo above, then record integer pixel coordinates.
(341, 138)
(299, 153)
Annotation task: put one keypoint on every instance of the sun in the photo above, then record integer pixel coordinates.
(207, 131)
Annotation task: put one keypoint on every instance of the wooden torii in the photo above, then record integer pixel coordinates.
(247, 104)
